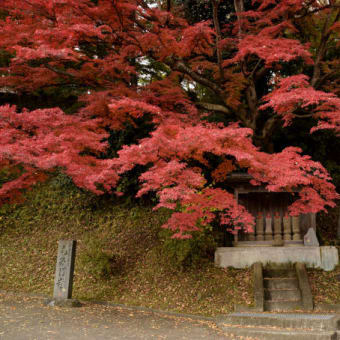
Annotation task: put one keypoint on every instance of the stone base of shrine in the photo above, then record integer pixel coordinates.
(325, 258)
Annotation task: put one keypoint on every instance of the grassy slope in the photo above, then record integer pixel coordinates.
(143, 275)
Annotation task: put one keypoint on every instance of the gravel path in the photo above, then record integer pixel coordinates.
(26, 317)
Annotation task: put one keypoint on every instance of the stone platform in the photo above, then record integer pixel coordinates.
(325, 258)
(277, 326)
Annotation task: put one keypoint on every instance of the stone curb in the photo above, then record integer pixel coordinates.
(217, 319)
(154, 311)
(307, 297)
(258, 287)
(328, 308)
(258, 292)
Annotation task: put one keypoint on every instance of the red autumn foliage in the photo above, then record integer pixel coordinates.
(133, 61)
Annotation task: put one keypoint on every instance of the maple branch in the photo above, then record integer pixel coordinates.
(303, 116)
(58, 71)
(322, 47)
(260, 73)
(214, 107)
(326, 77)
(268, 128)
(41, 11)
(215, 4)
(309, 11)
(143, 4)
(254, 69)
(181, 67)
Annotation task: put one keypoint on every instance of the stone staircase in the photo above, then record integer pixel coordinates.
(281, 290)
(267, 326)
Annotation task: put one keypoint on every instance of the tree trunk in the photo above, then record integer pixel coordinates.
(239, 7)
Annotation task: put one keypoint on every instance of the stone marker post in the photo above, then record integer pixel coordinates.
(63, 281)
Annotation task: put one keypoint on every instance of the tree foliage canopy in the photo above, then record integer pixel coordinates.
(213, 88)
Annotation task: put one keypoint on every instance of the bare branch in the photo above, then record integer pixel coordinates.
(180, 66)
(58, 71)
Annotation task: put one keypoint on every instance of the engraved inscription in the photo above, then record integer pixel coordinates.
(64, 270)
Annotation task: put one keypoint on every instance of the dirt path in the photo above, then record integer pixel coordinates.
(23, 317)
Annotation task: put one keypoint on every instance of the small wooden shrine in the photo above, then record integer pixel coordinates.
(270, 209)
(294, 237)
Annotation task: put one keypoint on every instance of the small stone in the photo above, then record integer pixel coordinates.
(310, 238)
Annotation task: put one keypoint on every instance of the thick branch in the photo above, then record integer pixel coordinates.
(214, 107)
(269, 126)
(303, 116)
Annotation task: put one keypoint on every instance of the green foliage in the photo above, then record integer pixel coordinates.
(188, 253)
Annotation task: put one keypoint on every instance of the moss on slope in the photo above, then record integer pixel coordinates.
(120, 254)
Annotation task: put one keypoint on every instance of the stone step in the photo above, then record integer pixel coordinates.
(280, 283)
(282, 294)
(319, 322)
(280, 306)
(282, 273)
(276, 334)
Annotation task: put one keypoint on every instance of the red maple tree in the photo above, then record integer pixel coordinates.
(132, 60)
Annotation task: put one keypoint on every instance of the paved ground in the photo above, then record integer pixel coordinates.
(27, 318)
